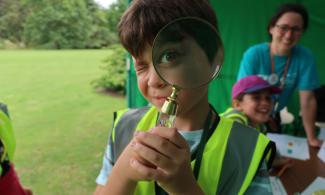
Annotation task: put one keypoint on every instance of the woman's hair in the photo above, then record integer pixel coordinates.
(144, 18)
(290, 7)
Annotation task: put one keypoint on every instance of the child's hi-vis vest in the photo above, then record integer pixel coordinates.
(231, 157)
(241, 118)
(7, 138)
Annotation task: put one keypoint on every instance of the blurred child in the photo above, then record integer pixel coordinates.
(202, 153)
(252, 105)
(252, 102)
(9, 182)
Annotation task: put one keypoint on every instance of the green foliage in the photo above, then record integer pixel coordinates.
(12, 17)
(100, 35)
(114, 13)
(59, 24)
(65, 24)
(114, 77)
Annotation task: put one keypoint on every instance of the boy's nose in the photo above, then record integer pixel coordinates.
(154, 80)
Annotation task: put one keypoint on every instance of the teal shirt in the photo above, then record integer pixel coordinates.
(302, 73)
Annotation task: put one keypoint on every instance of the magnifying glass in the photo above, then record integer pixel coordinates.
(187, 53)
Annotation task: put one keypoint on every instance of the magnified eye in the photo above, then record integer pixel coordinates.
(169, 56)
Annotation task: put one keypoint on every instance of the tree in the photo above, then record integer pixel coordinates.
(114, 75)
(12, 17)
(113, 14)
(64, 24)
(100, 36)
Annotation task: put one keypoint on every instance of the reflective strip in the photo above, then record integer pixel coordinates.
(124, 129)
(243, 157)
(259, 152)
(240, 149)
(117, 116)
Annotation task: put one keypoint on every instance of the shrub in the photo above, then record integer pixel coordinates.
(114, 77)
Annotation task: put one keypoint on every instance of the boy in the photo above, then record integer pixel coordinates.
(252, 102)
(252, 106)
(202, 154)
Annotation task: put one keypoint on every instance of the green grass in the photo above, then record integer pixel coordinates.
(61, 124)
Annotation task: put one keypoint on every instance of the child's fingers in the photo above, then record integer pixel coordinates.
(148, 173)
(152, 156)
(170, 134)
(160, 144)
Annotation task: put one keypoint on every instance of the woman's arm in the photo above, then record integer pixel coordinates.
(308, 106)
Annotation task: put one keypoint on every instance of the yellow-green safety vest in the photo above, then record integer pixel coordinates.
(241, 118)
(231, 157)
(7, 136)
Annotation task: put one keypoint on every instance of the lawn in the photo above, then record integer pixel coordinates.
(61, 123)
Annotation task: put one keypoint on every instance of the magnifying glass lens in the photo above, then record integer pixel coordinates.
(187, 53)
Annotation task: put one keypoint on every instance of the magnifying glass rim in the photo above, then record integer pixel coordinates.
(221, 49)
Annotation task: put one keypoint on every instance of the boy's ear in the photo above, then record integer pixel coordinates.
(236, 104)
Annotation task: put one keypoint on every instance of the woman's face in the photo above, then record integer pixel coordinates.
(286, 32)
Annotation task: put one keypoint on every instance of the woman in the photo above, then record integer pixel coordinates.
(284, 63)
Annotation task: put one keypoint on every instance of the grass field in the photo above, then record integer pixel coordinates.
(61, 123)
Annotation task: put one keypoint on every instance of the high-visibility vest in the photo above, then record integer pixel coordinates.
(231, 157)
(7, 137)
(241, 118)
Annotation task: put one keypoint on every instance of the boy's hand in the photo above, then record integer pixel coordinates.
(123, 178)
(163, 155)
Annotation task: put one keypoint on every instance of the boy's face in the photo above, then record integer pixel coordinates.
(156, 91)
(256, 106)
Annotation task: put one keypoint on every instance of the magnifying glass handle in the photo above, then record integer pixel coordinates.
(167, 114)
(166, 120)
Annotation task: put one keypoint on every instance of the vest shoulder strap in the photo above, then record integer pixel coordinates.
(235, 115)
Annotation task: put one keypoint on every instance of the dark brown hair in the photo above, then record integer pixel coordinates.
(290, 7)
(144, 18)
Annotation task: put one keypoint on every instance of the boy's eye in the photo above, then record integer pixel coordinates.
(269, 98)
(256, 97)
(169, 57)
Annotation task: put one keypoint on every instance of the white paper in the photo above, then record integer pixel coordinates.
(321, 152)
(316, 185)
(277, 186)
(321, 134)
(290, 146)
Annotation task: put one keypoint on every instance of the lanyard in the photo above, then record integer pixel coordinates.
(197, 155)
(284, 75)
